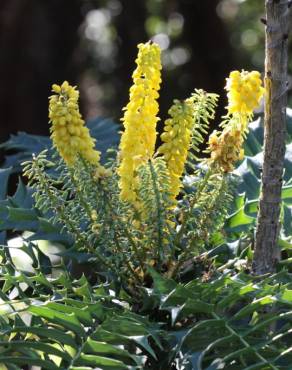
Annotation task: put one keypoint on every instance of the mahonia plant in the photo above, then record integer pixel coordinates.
(134, 212)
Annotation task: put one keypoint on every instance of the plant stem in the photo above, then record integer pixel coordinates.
(188, 213)
(108, 204)
(79, 194)
(127, 261)
(159, 212)
(185, 218)
(59, 208)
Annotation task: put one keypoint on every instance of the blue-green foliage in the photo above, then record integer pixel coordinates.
(232, 320)
(21, 146)
(58, 318)
(16, 212)
(243, 217)
(58, 323)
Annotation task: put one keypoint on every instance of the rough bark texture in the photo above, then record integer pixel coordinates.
(266, 249)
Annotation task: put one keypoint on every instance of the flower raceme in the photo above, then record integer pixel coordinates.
(226, 147)
(140, 119)
(70, 137)
(176, 140)
(245, 92)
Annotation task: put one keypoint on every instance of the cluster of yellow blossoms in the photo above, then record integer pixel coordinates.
(176, 141)
(71, 138)
(69, 135)
(140, 119)
(245, 92)
(226, 147)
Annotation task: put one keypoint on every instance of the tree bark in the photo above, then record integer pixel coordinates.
(39, 46)
(266, 252)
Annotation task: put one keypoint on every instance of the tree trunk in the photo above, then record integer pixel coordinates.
(267, 252)
(39, 43)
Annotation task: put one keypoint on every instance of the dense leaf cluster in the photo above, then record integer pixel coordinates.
(73, 297)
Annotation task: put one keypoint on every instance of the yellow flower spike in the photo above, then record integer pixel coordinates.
(226, 148)
(140, 119)
(176, 140)
(244, 92)
(70, 136)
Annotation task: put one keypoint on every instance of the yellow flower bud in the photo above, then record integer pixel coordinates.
(93, 215)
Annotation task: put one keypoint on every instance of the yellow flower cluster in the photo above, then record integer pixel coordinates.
(245, 92)
(69, 135)
(226, 148)
(140, 119)
(176, 141)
